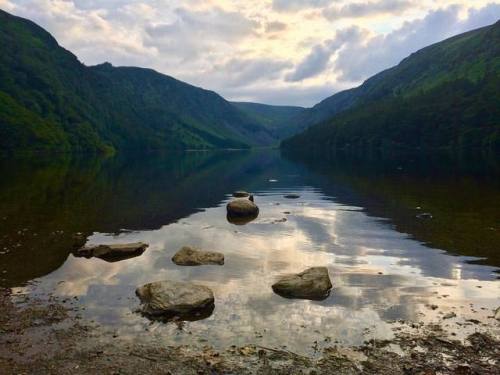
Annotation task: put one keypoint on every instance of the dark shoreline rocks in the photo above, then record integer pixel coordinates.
(292, 196)
(112, 252)
(313, 283)
(168, 299)
(188, 256)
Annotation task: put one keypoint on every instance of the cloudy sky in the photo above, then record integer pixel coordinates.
(271, 51)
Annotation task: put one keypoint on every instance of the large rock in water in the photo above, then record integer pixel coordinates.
(114, 252)
(242, 208)
(314, 283)
(168, 299)
(188, 256)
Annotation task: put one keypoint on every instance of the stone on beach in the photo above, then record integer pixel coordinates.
(188, 256)
(292, 196)
(112, 252)
(314, 283)
(180, 299)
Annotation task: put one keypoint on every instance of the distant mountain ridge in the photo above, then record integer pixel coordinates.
(276, 119)
(446, 95)
(49, 101)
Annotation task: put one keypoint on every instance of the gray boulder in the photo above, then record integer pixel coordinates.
(242, 208)
(166, 299)
(113, 252)
(314, 283)
(188, 256)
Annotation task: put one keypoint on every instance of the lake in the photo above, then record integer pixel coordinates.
(400, 238)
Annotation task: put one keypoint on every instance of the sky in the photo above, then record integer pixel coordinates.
(283, 52)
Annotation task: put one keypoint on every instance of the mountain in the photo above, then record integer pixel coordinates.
(49, 101)
(444, 96)
(276, 119)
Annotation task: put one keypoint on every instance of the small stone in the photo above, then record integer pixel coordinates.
(188, 256)
(114, 252)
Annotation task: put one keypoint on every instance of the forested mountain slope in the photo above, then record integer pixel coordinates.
(444, 96)
(51, 101)
(277, 119)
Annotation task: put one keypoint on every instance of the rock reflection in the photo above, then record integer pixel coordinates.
(241, 220)
(192, 316)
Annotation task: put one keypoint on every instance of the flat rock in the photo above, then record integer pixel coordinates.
(112, 252)
(241, 194)
(242, 207)
(292, 196)
(188, 256)
(314, 283)
(180, 299)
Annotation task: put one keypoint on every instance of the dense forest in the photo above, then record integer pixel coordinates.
(49, 101)
(446, 96)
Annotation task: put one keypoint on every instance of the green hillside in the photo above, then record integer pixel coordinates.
(276, 119)
(445, 96)
(49, 101)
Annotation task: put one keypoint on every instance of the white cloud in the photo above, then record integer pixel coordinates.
(363, 9)
(313, 64)
(294, 5)
(359, 60)
(317, 61)
(359, 53)
(274, 51)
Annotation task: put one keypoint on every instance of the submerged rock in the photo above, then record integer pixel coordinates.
(241, 194)
(292, 196)
(167, 299)
(113, 252)
(188, 256)
(314, 283)
(425, 215)
(242, 208)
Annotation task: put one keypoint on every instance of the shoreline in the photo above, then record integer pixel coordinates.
(50, 337)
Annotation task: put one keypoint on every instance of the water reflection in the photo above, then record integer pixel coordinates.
(379, 272)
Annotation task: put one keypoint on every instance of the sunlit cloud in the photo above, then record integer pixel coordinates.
(273, 51)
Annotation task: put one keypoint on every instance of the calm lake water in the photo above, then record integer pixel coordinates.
(361, 219)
